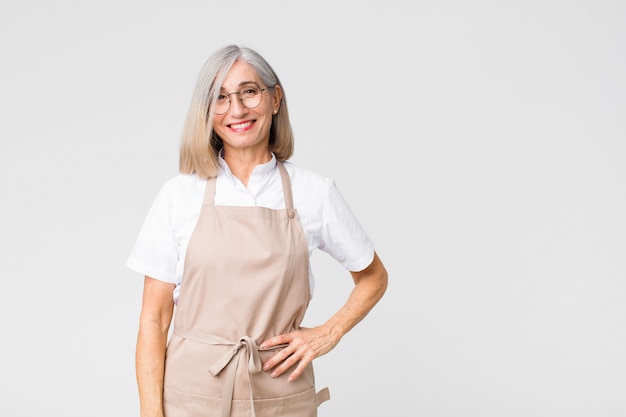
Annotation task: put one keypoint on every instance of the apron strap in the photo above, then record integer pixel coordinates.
(322, 396)
(209, 192)
(286, 186)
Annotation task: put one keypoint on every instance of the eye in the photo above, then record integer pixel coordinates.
(249, 92)
(222, 97)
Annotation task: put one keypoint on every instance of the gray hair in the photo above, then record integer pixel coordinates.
(200, 145)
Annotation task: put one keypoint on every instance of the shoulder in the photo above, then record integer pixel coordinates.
(180, 191)
(183, 182)
(313, 193)
(306, 180)
(181, 185)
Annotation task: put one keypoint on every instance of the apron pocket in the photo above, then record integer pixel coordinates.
(182, 404)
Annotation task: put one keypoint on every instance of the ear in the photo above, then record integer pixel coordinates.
(278, 96)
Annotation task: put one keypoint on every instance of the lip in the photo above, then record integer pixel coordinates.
(241, 126)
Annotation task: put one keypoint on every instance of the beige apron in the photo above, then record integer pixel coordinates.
(246, 278)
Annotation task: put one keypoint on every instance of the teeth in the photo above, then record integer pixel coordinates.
(240, 125)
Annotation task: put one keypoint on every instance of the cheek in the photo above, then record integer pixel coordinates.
(217, 126)
(217, 121)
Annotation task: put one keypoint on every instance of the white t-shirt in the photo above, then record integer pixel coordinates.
(328, 222)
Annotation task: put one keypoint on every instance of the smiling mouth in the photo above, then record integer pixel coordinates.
(241, 126)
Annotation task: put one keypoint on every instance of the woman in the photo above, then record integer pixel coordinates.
(227, 243)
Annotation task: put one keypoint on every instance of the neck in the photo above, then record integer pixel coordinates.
(242, 164)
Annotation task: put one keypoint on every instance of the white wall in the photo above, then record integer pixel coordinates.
(482, 144)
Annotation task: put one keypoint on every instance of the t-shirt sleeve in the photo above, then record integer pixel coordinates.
(155, 252)
(343, 235)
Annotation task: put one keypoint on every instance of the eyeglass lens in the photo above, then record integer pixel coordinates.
(250, 97)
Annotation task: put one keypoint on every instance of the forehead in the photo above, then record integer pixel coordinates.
(240, 73)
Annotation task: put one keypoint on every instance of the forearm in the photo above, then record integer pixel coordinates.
(150, 368)
(306, 344)
(370, 285)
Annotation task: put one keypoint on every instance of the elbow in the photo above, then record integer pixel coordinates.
(383, 282)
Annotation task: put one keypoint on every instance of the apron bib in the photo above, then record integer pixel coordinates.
(246, 278)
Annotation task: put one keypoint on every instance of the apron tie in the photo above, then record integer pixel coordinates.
(254, 359)
(254, 366)
(245, 344)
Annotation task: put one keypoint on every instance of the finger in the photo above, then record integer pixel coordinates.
(278, 358)
(281, 339)
(284, 366)
(299, 369)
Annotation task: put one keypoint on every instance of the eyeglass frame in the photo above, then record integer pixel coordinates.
(261, 90)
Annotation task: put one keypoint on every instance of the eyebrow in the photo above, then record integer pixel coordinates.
(243, 83)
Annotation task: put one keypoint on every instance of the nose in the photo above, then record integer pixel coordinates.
(236, 106)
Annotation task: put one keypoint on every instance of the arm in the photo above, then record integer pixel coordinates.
(308, 344)
(156, 314)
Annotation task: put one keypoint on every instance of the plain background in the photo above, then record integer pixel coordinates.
(482, 145)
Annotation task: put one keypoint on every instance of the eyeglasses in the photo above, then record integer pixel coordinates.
(250, 97)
